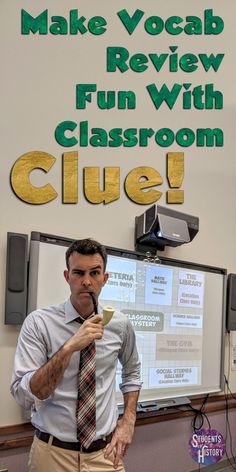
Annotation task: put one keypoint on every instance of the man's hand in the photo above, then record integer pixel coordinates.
(121, 440)
(88, 332)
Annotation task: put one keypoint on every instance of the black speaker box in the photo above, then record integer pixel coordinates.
(16, 278)
(231, 303)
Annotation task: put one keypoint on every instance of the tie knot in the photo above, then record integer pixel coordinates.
(80, 320)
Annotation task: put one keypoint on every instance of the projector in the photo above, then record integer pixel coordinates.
(158, 227)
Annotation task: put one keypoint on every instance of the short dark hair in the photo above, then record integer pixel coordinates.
(86, 246)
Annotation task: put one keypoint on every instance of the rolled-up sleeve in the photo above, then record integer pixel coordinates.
(30, 355)
(129, 360)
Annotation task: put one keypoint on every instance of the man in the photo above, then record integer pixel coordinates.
(45, 376)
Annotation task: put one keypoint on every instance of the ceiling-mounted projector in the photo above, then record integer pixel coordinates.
(158, 227)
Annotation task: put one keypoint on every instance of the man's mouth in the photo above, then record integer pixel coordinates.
(86, 293)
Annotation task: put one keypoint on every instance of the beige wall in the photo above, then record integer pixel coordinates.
(38, 79)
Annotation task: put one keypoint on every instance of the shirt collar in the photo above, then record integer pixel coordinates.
(70, 312)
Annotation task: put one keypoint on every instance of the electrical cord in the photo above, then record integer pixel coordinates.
(199, 416)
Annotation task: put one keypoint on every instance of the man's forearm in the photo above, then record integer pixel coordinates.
(46, 378)
(130, 407)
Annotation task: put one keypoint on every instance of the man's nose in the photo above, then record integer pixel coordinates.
(86, 281)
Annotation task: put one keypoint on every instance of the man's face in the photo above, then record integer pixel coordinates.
(85, 275)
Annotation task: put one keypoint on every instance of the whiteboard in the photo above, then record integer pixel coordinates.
(177, 310)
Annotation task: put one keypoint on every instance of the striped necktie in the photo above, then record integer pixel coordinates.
(86, 405)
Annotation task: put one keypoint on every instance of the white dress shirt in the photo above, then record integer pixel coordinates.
(43, 333)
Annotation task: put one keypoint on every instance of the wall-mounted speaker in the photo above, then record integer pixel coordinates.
(231, 303)
(16, 278)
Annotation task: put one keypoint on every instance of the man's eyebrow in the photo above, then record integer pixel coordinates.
(77, 269)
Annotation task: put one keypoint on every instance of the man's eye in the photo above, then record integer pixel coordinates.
(95, 272)
(78, 272)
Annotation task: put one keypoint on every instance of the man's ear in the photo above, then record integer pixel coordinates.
(106, 277)
(66, 274)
